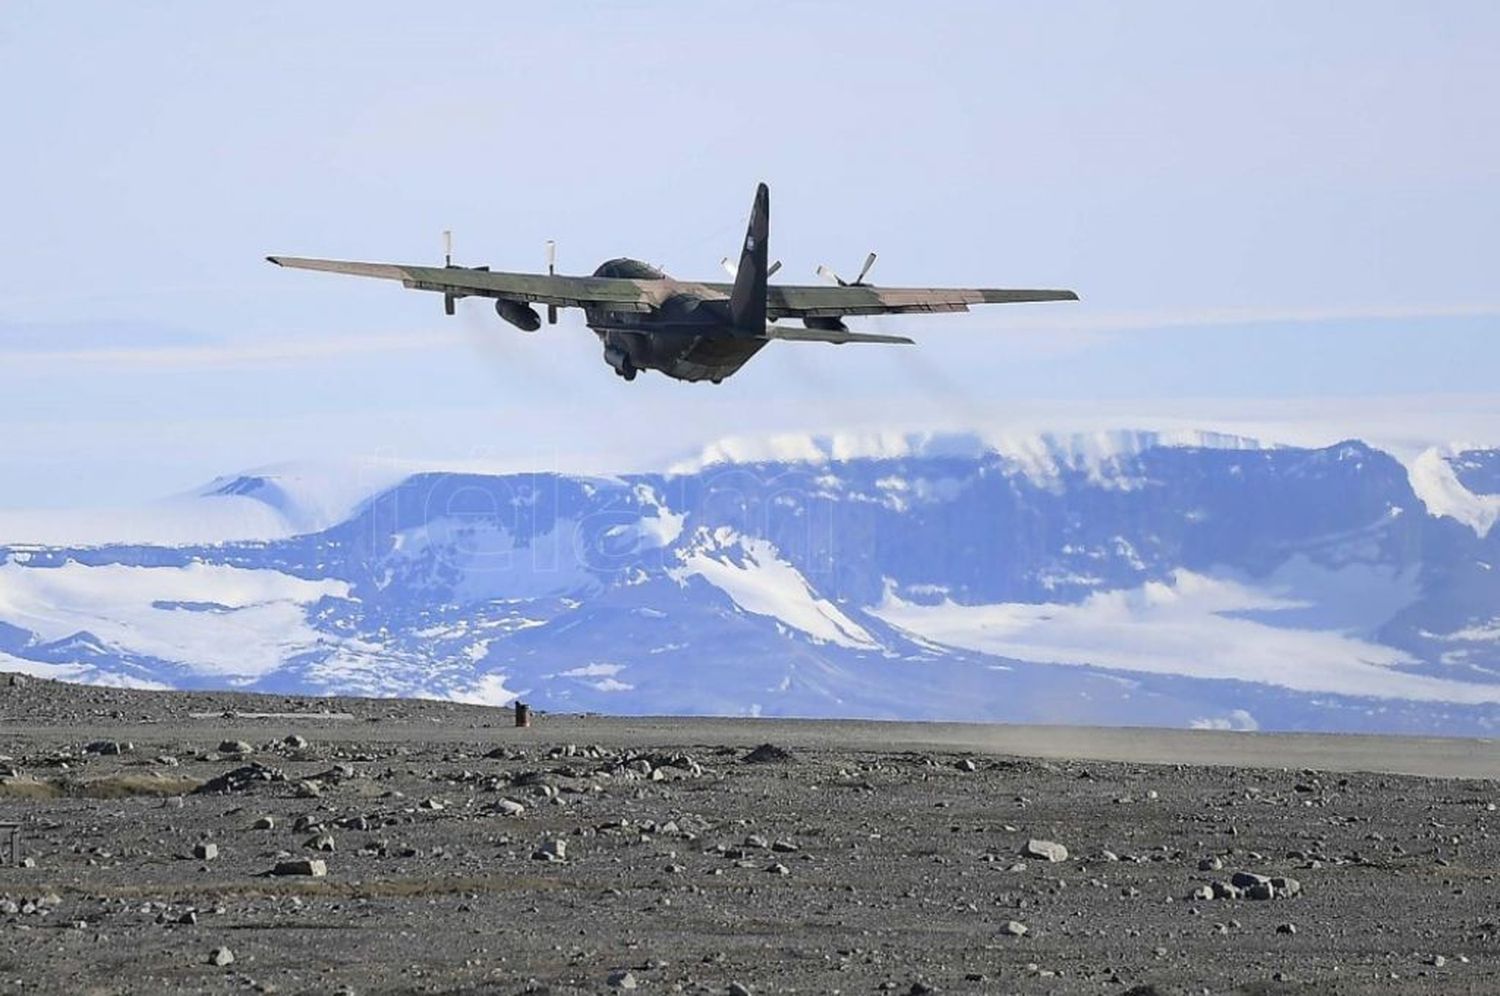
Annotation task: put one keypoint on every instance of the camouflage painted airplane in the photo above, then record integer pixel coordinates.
(687, 330)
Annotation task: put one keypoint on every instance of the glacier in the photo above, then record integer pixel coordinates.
(1173, 578)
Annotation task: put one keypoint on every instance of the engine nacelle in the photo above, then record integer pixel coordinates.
(825, 323)
(522, 316)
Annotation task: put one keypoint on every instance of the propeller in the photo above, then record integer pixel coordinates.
(733, 269)
(858, 281)
(551, 271)
(448, 299)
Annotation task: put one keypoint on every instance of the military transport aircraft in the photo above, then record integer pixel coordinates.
(685, 329)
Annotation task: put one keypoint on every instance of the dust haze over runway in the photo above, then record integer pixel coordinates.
(861, 857)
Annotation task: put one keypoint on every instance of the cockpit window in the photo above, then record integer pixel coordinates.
(629, 269)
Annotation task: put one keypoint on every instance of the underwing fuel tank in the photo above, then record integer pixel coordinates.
(522, 316)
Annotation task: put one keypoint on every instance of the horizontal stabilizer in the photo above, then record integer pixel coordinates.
(833, 335)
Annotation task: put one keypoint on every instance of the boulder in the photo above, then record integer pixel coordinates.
(1046, 850)
(313, 867)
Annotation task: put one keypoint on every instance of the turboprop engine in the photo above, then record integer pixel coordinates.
(522, 316)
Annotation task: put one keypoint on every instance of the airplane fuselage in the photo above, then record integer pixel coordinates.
(690, 336)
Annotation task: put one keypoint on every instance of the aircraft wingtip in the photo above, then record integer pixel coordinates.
(274, 259)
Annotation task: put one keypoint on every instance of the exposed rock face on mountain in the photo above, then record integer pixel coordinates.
(1115, 578)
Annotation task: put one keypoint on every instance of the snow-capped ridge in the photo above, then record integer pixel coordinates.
(309, 497)
(1436, 483)
(1040, 455)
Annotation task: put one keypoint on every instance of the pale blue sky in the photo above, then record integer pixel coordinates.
(1279, 201)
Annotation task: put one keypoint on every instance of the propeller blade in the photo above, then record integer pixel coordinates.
(448, 249)
(447, 304)
(551, 269)
(734, 271)
(830, 276)
(869, 262)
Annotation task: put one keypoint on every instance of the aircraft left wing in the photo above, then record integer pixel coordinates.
(614, 293)
(863, 299)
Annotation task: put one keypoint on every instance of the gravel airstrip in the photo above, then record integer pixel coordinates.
(221, 843)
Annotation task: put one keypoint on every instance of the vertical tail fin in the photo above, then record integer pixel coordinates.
(747, 303)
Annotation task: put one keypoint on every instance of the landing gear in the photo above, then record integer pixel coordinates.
(618, 359)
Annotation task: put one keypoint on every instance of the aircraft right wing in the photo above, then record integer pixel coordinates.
(792, 334)
(615, 293)
(787, 301)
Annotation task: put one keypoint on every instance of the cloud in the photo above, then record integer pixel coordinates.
(1068, 320)
(1085, 328)
(1237, 719)
(229, 355)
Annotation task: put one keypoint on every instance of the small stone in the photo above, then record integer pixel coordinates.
(784, 847)
(205, 850)
(104, 747)
(235, 747)
(221, 957)
(1204, 892)
(966, 765)
(738, 989)
(622, 980)
(779, 869)
(551, 850)
(320, 842)
(769, 754)
(188, 919)
(295, 742)
(265, 823)
(1286, 886)
(1014, 928)
(301, 866)
(433, 805)
(1046, 850)
(1210, 865)
(510, 807)
(1245, 880)
(1287, 928)
(1437, 961)
(28, 862)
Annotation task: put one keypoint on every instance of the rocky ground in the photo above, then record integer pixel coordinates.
(175, 842)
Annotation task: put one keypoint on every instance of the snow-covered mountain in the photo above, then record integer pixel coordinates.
(1126, 577)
